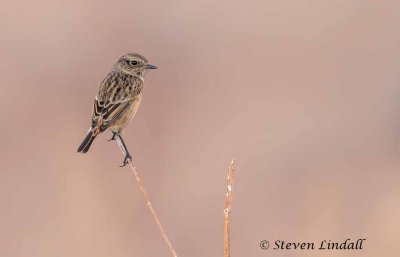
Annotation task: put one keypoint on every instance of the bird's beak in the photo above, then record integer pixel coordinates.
(150, 66)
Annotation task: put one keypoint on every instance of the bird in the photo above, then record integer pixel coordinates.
(118, 100)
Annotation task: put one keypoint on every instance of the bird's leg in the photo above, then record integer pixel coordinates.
(122, 145)
(113, 136)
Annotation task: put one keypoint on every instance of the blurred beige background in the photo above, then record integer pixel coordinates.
(304, 94)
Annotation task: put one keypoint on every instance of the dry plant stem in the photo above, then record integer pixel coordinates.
(152, 211)
(150, 206)
(227, 211)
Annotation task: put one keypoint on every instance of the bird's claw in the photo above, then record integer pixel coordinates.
(113, 137)
(128, 158)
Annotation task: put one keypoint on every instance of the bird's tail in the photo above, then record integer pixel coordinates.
(84, 147)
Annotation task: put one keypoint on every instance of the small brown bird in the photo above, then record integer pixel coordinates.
(117, 101)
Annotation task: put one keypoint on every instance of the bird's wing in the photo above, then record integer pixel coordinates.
(115, 95)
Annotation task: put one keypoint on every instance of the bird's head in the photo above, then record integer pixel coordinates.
(133, 64)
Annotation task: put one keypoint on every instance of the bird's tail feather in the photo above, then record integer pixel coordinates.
(84, 147)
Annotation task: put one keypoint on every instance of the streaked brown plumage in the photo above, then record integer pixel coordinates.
(118, 99)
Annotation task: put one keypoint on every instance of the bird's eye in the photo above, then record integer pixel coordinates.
(133, 63)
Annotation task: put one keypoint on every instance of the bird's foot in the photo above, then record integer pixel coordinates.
(114, 137)
(128, 158)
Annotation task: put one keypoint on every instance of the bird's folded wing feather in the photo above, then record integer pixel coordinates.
(114, 97)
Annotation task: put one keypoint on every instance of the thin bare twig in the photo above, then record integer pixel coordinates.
(150, 206)
(152, 211)
(227, 211)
